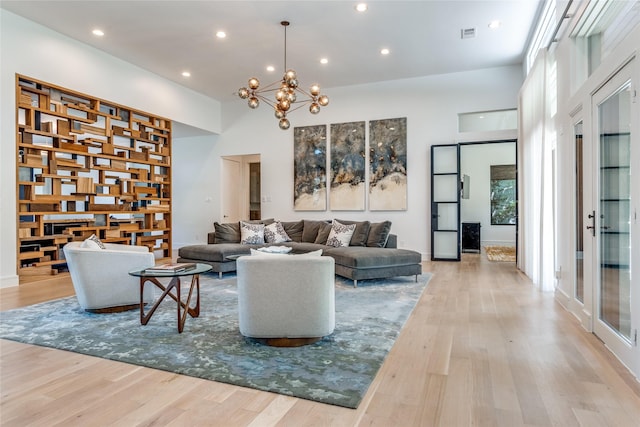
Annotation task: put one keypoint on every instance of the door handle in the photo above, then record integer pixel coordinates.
(592, 227)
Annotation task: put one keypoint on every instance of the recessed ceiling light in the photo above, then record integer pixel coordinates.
(186, 74)
(221, 34)
(98, 32)
(384, 51)
(494, 24)
(324, 61)
(271, 68)
(361, 7)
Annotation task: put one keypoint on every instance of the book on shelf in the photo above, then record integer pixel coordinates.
(171, 267)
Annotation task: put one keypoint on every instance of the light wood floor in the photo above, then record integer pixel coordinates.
(481, 348)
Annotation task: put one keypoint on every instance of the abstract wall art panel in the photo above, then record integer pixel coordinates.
(310, 168)
(388, 164)
(347, 160)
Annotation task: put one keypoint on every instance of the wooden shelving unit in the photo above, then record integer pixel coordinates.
(87, 166)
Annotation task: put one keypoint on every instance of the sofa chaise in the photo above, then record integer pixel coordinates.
(370, 253)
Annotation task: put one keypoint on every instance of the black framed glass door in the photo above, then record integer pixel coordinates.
(445, 202)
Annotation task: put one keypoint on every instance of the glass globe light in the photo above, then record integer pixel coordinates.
(314, 108)
(291, 97)
(284, 123)
(323, 100)
(284, 105)
(315, 90)
(279, 113)
(253, 102)
(254, 83)
(280, 95)
(290, 75)
(243, 93)
(292, 83)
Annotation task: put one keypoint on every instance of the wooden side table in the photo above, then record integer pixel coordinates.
(184, 307)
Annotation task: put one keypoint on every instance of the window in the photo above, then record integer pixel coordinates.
(602, 25)
(503, 194)
(488, 121)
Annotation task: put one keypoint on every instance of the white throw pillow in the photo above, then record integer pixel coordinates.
(251, 234)
(274, 233)
(340, 234)
(276, 249)
(93, 242)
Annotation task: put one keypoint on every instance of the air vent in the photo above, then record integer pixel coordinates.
(468, 33)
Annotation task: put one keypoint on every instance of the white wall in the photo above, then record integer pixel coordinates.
(194, 176)
(476, 161)
(431, 105)
(35, 51)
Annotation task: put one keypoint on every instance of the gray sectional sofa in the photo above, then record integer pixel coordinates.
(372, 252)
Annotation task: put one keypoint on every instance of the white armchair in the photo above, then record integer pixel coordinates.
(101, 276)
(286, 300)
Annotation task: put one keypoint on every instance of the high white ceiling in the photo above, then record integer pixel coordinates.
(168, 37)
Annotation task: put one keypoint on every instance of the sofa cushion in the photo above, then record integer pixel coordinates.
(361, 233)
(362, 257)
(340, 234)
(378, 234)
(213, 253)
(251, 234)
(294, 230)
(310, 230)
(323, 234)
(274, 233)
(227, 232)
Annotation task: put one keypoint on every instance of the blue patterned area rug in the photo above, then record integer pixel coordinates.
(336, 370)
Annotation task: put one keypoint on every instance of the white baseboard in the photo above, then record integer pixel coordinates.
(9, 281)
(563, 298)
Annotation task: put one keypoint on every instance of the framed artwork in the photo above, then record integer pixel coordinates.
(310, 168)
(388, 164)
(347, 160)
(503, 194)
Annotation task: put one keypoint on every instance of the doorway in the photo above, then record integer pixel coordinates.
(488, 206)
(241, 183)
(473, 189)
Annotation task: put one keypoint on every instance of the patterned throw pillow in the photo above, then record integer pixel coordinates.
(93, 242)
(274, 233)
(251, 234)
(340, 234)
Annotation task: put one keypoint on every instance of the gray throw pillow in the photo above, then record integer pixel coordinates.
(227, 232)
(323, 234)
(310, 230)
(294, 230)
(378, 234)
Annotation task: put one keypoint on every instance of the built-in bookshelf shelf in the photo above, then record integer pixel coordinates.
(87, 166)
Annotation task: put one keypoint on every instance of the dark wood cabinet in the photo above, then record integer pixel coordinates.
(471, 237)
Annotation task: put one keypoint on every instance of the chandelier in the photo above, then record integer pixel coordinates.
(286, 93)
